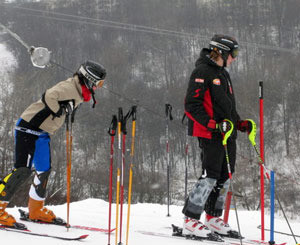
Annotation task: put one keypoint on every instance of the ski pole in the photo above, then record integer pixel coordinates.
(272, 207)
(133, 111)
(124, 133)
(68, 168)
(112, 133)
(120, 119)
(168, 117)
(69, 141)
(279, 232)
(226, 134)
(186, 160)
(186, 167)
(261, 162)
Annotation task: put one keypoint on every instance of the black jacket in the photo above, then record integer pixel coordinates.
(209, 96)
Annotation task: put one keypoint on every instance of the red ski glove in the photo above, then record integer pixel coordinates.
(212, 125)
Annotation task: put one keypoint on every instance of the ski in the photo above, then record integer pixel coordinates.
(28, 232)
(226, 241)
(25, 217)
(252, 241)
(204, 241)
(279, 232)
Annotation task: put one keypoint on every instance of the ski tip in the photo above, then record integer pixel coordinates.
(83, 236)
(112, 229)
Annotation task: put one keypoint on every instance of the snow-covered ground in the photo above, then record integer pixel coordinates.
(144, 217)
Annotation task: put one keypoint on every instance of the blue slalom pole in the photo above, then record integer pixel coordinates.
(272, 207)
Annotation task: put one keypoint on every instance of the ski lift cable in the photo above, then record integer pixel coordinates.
(132, 26)
(140, 28)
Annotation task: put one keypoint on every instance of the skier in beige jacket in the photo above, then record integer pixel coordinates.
(32, 141)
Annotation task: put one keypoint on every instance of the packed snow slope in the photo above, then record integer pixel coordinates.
(144, 217)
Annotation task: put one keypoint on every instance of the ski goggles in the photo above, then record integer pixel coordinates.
(99, 84)
(234, 53)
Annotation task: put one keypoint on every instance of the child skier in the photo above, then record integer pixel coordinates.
(32, 141)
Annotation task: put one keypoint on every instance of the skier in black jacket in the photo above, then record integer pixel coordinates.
(210, 100)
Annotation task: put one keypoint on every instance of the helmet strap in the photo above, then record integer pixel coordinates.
(225, 57)
(94, 100)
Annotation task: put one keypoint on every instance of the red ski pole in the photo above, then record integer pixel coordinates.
(112, 133)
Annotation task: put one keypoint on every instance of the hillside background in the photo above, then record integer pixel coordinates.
(149, 48)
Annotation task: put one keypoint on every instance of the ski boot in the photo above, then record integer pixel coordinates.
(37, 211)
(5, 218)
(194, 229)
(217, 225)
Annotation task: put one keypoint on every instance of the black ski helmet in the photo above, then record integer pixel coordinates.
(91, 74)
(225, 45)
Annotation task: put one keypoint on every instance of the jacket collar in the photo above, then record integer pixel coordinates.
(204, 59)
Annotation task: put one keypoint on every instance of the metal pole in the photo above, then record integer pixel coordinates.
(131, 169)
(168, 117)
(262, 184)
(272, 207)
(112, 133)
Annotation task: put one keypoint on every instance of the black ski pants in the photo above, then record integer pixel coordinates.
(209, 193)
(213, 158)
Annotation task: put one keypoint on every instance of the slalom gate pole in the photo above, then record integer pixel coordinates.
(133, 111)
(120, 120)
(112, 133)
(168, 117)
(262, 182)
(226, 135)
(272, 207)
(227, 207)
(262, 165)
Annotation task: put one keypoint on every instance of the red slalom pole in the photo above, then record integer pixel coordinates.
(112, 133)
(227, 207)
(262, 184)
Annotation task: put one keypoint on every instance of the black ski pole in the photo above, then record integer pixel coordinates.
(279, 232)
(251, 137)
(168, 117)
(186, 160)
(226, 132)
